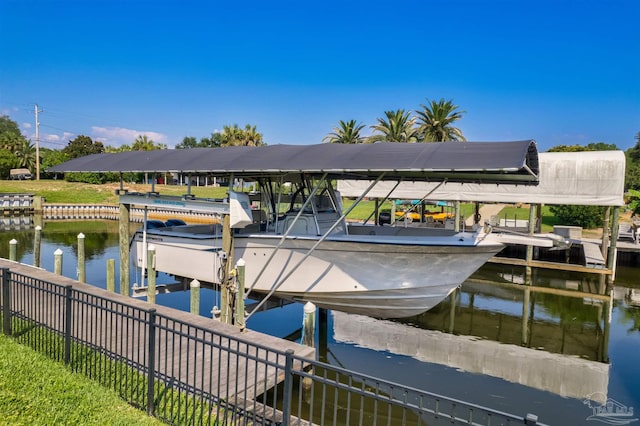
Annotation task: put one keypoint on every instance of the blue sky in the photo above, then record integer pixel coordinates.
(559, 72)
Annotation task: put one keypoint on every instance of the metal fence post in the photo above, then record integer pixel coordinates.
(67, 323)
(288, 388)
(6, 302)
(151, 362)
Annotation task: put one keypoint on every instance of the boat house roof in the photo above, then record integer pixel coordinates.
(576, 178)
(451, 161)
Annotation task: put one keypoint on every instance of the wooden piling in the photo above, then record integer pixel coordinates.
(151, 274)
(611, 258)
(111, 275)
(194, 286)
(57, 262)
(226, 309)
(13, 250)
(309, 325)
(240, 277)
(125, 238)
(532, 228)
(37, 245)
(82, 270)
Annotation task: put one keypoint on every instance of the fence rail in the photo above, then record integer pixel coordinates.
(186, 374)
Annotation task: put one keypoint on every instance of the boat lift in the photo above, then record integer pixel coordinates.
(236, 213)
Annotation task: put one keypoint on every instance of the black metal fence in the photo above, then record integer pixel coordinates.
(186, 374)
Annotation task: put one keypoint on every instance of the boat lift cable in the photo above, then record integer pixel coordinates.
(312, 249)
(286, 234)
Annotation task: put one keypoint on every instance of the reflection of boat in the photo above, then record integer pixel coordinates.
(306, 250)
(568, 376)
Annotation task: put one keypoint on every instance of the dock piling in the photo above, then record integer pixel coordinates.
(13, 250)
(194, 286)
(37, 244)
(151, 274)
(240, 322)
(111, 275)
(309, 325)
(82, 267)
(57, 262)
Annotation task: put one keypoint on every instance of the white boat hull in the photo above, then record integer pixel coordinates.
(377, 276)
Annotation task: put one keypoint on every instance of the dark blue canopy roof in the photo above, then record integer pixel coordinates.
(456, 161)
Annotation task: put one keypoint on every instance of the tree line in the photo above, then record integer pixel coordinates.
(433, 122)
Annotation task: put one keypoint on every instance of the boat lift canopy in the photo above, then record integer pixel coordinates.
(488, 162)
(576, 178)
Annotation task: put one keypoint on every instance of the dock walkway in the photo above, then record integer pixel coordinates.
(195, 352)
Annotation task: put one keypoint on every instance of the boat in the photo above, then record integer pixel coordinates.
(293, 236)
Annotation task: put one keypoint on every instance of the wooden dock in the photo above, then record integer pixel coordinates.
(194, 350)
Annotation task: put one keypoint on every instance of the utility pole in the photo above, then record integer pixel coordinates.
(37, 143)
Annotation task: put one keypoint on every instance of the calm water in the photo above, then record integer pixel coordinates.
(492, 343)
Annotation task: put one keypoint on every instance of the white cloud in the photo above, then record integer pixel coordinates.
(117, 136)
(52, 138)
(26, 125)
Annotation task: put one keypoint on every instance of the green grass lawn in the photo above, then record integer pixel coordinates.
(59, 191)
(35, 390)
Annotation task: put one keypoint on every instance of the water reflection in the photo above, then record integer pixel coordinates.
(494, 325)
(496, 342)
(490, 307)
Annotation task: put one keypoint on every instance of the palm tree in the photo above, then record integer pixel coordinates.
(346, 132)
(251, 136)
(435, 122)
(399, 126)
(26, 154)
(235, 136)
(144, 143)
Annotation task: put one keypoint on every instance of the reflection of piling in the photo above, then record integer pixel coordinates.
(111, 275)
(452, 310)
(309, 325)
(151, 274)
(194, 286)
(323, 334)
(37, 244)
(13, 250)
(82, 270)
(526, 312)
(57, 262)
